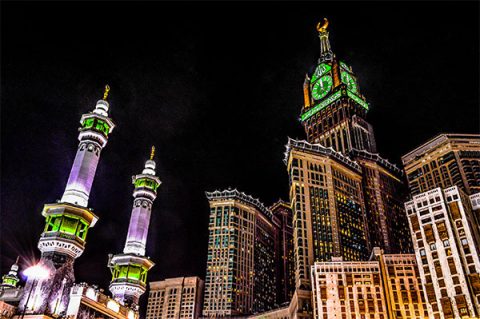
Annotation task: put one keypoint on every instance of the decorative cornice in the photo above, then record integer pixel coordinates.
(235, 194)
(319, 149)
(377, 159)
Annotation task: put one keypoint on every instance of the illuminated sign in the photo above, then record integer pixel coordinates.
(332, 98)
(357, 99)
(320, 106)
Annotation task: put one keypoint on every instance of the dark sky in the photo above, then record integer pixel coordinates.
(217, 88)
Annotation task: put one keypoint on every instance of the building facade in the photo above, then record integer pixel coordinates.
(444, 161)
(175, 298)
(446, 241)
(329, 212)
(88, 302)
(402, 284)
(240, 276)
(387, 286)
(285, 267)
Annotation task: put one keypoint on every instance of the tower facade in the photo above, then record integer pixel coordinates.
(129, 270)
(444, 161)
(345, 198)
(334, 111)
(447, 244)
(67, 221)
(175, 298)
(285, 265)
(241, 251)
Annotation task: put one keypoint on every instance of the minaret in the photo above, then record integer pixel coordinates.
(11, 279)
(129, 270)
(67, 221)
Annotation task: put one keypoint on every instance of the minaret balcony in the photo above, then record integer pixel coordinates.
(63, 243)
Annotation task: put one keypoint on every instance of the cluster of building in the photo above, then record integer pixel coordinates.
(359, 238)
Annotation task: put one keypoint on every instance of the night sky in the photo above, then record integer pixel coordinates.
(217, 88)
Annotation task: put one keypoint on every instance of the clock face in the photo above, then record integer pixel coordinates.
(349, 81)
(319, 71)
(322, 87)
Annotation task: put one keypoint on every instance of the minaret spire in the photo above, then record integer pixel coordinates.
(67, 221)
(96, 126)
(132, 264)
(326, 53)
(11, 279)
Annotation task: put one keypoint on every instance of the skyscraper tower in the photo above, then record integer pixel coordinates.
(334, 112)
(129, 270)
(67, 221)
(345, 198)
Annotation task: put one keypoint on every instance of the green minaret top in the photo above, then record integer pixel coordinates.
(11, 279)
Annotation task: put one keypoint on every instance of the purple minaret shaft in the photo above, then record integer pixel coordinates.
(93, 137)
(144, 194)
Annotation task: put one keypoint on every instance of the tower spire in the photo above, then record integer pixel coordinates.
(129, 270)
(326, 53)
(105, 93)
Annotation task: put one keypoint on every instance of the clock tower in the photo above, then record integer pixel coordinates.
(334, 111)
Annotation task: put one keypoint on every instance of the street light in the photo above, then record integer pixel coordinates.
(37, 272)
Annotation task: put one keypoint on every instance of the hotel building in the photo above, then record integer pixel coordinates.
(175, 298)
(444, 161)
(446, 241)
(387, 286)
(241, 258)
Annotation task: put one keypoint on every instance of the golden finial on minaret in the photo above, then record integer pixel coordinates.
(105, 94)
(152, 153)
(320, 28)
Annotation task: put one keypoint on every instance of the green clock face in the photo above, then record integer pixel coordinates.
(319, 71)
(322, 87)
(349, 81)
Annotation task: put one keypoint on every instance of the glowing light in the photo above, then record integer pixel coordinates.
(91, 294)
(37, 272)
(112, 305)
(131, 314)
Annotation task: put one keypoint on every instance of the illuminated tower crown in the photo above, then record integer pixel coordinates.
(129, 270)
(11, 279)
(67, 221)
(334, 111)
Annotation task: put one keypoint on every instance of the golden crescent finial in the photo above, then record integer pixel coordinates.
(105, 94)
(323, 28)
(152, 153)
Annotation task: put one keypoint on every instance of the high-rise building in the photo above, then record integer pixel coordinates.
(129, 270)
(175, 298)
(384, 193)
(444, 161)
(334, 112)
(67, 221)
(285, 265)
(446, 241)
(403, 288)
(345, 197)
(241, 253)
(345, 289)
(326, 196)
(387, 286)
